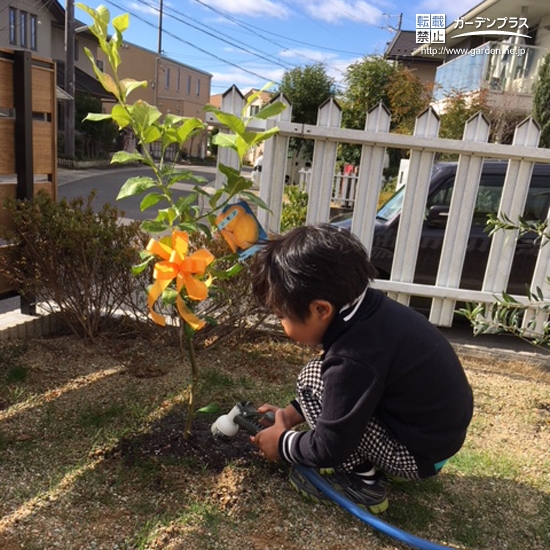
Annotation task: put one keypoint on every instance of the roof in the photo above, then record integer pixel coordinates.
(83, 82)
(402, 45)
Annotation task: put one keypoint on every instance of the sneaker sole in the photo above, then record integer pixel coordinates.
(373, 508)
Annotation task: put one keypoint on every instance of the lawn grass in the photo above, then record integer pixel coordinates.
(87, 459)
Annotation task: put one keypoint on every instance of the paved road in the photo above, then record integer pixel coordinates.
(107, 184)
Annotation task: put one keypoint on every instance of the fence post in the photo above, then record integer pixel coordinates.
(371, 171)
(22, 95)
(324, 161)
(414, 203)
(512, 204)
(272, 178)
(459, 222)
(232, 102)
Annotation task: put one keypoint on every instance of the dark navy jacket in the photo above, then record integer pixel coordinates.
(384, 359)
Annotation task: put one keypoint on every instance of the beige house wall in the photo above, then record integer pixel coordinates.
(173, 87)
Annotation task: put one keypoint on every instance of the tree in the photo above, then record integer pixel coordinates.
(374, 80)
(307, 88)
(459, 108)
(541, 102)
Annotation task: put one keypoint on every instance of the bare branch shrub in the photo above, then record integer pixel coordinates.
(76, 262)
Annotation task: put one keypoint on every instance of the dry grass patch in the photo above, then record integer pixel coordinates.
(92, 456)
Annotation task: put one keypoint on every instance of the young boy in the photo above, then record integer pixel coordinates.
(388, 392)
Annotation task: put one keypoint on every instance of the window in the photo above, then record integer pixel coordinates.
(99, 63)
(178, 81)
(13, 26)
(254, 110)
(198, 86)
(23, 39)
(33, 32)
(189, 85)
(167, 82)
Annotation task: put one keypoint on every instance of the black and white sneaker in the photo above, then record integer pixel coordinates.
(371, 497)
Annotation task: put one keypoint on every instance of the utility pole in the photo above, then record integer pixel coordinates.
(160, 29)
(69, 78)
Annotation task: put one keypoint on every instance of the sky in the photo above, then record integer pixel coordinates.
(250, 43)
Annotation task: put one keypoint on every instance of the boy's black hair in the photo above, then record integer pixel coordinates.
(314, 262)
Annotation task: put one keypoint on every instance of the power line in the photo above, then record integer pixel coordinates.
(265, 31)
(214, 35)
(179, 39)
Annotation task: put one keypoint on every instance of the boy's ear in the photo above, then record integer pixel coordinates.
(322, 309)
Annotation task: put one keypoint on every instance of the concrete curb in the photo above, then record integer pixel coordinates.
(16, 325)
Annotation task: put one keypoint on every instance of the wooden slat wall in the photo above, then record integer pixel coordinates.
(44, 133)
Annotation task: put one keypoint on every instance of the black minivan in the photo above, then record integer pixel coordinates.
(437, 210)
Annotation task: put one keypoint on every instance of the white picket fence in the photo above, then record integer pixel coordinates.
(422, 146)
(343, 187)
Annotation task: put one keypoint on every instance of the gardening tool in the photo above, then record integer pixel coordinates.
(243, 415)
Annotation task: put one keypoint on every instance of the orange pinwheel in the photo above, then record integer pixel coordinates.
(176, 264)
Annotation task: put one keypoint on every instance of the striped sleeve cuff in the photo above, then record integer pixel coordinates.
(286, 442)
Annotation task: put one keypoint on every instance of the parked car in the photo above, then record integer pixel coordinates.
(437, 211)
(257, 170)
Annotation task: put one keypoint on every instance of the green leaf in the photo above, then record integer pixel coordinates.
(122, 157)
(151, 200)
(97, 117)
(237, 185)
(139, 268)
(151, 134)
(154, 226)
(184, 203)
(270, 110)
(134, 186)
(189, 128)
(254, 199)
(120, 116)
(128, 85)
(228, 171)
(233, 122)
(121, 22)
(225, 140)
(184, 175)
(144, 114)
(190, 227)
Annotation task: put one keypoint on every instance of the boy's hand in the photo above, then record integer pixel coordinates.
(268, 439)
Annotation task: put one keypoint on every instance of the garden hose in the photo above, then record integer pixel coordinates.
(398, 534)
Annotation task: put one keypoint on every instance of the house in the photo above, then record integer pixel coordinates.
(475, 55)
(400, 50)
(39, 26)
(172, 86)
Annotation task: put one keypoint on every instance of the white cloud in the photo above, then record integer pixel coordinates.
(333, 11)
(452, 10)
(253, 8)
(310, 56)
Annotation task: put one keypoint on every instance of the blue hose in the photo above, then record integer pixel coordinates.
(414, 542)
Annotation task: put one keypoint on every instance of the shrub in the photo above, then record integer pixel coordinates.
(295, 208)
(76, 262)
